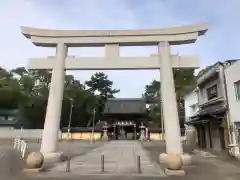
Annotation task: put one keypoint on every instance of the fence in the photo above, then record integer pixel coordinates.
(20, 145)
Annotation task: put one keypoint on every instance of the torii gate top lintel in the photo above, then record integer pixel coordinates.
(75, 38)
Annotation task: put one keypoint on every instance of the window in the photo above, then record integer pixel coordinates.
(212, 92)
(237, 89)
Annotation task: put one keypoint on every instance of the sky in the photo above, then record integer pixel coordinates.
(220, 43)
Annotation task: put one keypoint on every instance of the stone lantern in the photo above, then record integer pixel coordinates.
(142, 132)
(105, 130)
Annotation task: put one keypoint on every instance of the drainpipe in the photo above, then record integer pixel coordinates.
(233, 149)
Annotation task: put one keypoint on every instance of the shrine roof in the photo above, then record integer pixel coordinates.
(125, 106)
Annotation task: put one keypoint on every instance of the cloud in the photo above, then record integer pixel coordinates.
(220, 43)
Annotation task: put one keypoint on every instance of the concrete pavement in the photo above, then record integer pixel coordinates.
(120, 159)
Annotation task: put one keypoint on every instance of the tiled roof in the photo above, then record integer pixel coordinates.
(125, 106)
(211, 111)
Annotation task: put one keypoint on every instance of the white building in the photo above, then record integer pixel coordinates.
(232, 76)
(190, 105)
(211, 120)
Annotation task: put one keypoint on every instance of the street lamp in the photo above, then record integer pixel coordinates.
(70, 115)
(93, 125)
(159, 100)
(162, 120)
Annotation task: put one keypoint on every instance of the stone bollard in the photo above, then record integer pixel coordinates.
(102, 163)
(68, 165)
(139, 164)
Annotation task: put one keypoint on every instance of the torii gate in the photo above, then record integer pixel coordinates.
(112, 39)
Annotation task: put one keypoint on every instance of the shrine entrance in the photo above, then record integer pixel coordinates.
(124, 117)
(125, 130)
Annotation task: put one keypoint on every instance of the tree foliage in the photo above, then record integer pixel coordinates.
(184, 80)
(28, 91)
(100, 85)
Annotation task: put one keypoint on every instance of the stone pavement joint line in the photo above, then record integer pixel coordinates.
(120, 159)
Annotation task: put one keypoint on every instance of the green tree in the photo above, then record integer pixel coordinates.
(100, 84)
(34, 85)
(184, 80)
(102, 87)
(152, 97)
(28, 90)
(10, 93)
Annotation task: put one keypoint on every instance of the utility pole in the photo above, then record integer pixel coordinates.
(70, 116)
(159, 100)
(162, 120)
(93, 125)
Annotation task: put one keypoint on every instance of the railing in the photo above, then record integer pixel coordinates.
(20, 145)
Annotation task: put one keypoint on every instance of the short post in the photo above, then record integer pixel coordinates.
(138, 164)
(18, 144)
(102, 163)
(68, 164)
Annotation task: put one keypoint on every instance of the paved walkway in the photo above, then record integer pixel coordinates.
(120, 159)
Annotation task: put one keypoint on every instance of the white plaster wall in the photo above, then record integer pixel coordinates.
(202, 93)
(6, 128)
(189, 100)
(232, 75)
(26, 133)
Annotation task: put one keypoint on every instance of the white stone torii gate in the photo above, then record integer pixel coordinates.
(112, 39)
